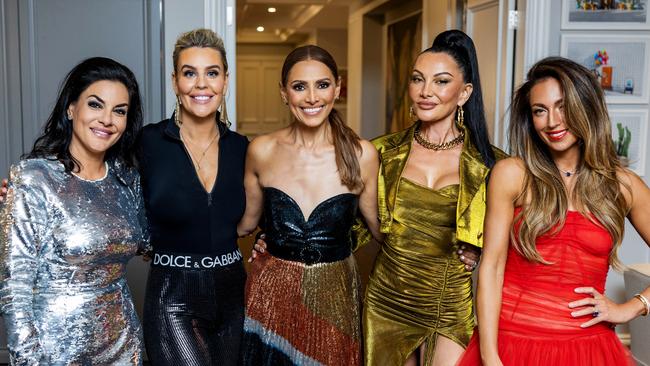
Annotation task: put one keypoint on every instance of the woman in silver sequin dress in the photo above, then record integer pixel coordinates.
(71, 222)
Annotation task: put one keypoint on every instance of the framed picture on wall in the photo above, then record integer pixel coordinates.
(630, 132)
(620, 61)
(605, 14)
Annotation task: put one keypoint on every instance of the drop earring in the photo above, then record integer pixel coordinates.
(177, 112)
(460, 118)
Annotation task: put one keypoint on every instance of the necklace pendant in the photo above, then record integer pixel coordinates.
(567, 174)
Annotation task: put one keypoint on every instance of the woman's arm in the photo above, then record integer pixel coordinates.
(369, 164)
(506, 182)
(639, 216)
(254, 194)
(22, 223)
(144, 248)
(638, 198)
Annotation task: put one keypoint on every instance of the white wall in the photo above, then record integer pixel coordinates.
(179, 16)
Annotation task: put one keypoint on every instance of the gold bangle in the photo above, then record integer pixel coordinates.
(645, 302)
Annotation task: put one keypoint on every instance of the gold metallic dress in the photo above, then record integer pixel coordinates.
(418, 288)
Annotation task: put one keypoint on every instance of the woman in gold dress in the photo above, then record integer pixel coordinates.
(432, 185)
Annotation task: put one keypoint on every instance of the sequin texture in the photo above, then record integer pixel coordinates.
(303, 306)
(64, 246)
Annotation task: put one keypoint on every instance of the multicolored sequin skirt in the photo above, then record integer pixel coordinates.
(298, 314)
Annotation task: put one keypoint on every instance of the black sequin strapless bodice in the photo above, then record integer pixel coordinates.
(322, 237)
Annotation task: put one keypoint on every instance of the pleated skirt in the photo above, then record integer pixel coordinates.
(298, 314)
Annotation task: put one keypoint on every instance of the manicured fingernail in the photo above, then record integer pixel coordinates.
(462, 257)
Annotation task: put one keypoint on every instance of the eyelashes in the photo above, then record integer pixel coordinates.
(419, 79)
(209, 73)
(93, 104)
(319, 85)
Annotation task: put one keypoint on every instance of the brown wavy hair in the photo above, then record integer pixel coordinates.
(597, 189)
(346, 141)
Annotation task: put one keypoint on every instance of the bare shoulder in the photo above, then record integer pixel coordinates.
(509, 167)
(368, 151)
(261, 147)
(626, 176)
(632, 186)
(508, 174)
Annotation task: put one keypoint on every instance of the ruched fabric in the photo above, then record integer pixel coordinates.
(418, 289)
(535, 325)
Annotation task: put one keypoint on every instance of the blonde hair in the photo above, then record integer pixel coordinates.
(597, 188)
(204, 38)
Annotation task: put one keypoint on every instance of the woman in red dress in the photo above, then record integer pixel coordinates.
(555, 218)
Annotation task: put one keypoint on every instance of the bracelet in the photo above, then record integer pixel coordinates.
(259, 234)
(646, 304)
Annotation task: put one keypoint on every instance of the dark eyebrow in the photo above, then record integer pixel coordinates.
(443, 73)
(436, 75)
(102, 101)
(98, 98)
(194, 68)
(323, 79)
(559, 101)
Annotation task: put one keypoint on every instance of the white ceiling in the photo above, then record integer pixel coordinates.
(293, 21)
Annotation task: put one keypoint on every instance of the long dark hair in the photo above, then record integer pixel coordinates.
(55, 140)
(461, 48)
(346, 141)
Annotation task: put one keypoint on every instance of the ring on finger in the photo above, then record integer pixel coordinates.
(595, 313)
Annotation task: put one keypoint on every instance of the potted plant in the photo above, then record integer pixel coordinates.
(622, 144)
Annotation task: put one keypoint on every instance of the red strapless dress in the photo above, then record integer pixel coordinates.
(535, 325)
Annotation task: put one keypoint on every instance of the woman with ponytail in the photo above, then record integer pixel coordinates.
(418, 305)
(303, 302)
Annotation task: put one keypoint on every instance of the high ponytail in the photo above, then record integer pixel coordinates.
(347, 144)
(461, 48)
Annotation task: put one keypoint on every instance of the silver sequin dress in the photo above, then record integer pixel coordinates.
(64, 246)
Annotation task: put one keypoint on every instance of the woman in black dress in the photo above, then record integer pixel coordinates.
(192, 172)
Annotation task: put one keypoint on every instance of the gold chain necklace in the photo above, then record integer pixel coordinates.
(436, 147)
(205, 151)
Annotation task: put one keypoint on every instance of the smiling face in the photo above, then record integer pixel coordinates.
(200, 81)
(437, 87)
(98, 118)
(310, 92)
(547, 108)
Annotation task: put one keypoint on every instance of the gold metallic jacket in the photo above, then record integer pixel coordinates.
(470, 213)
